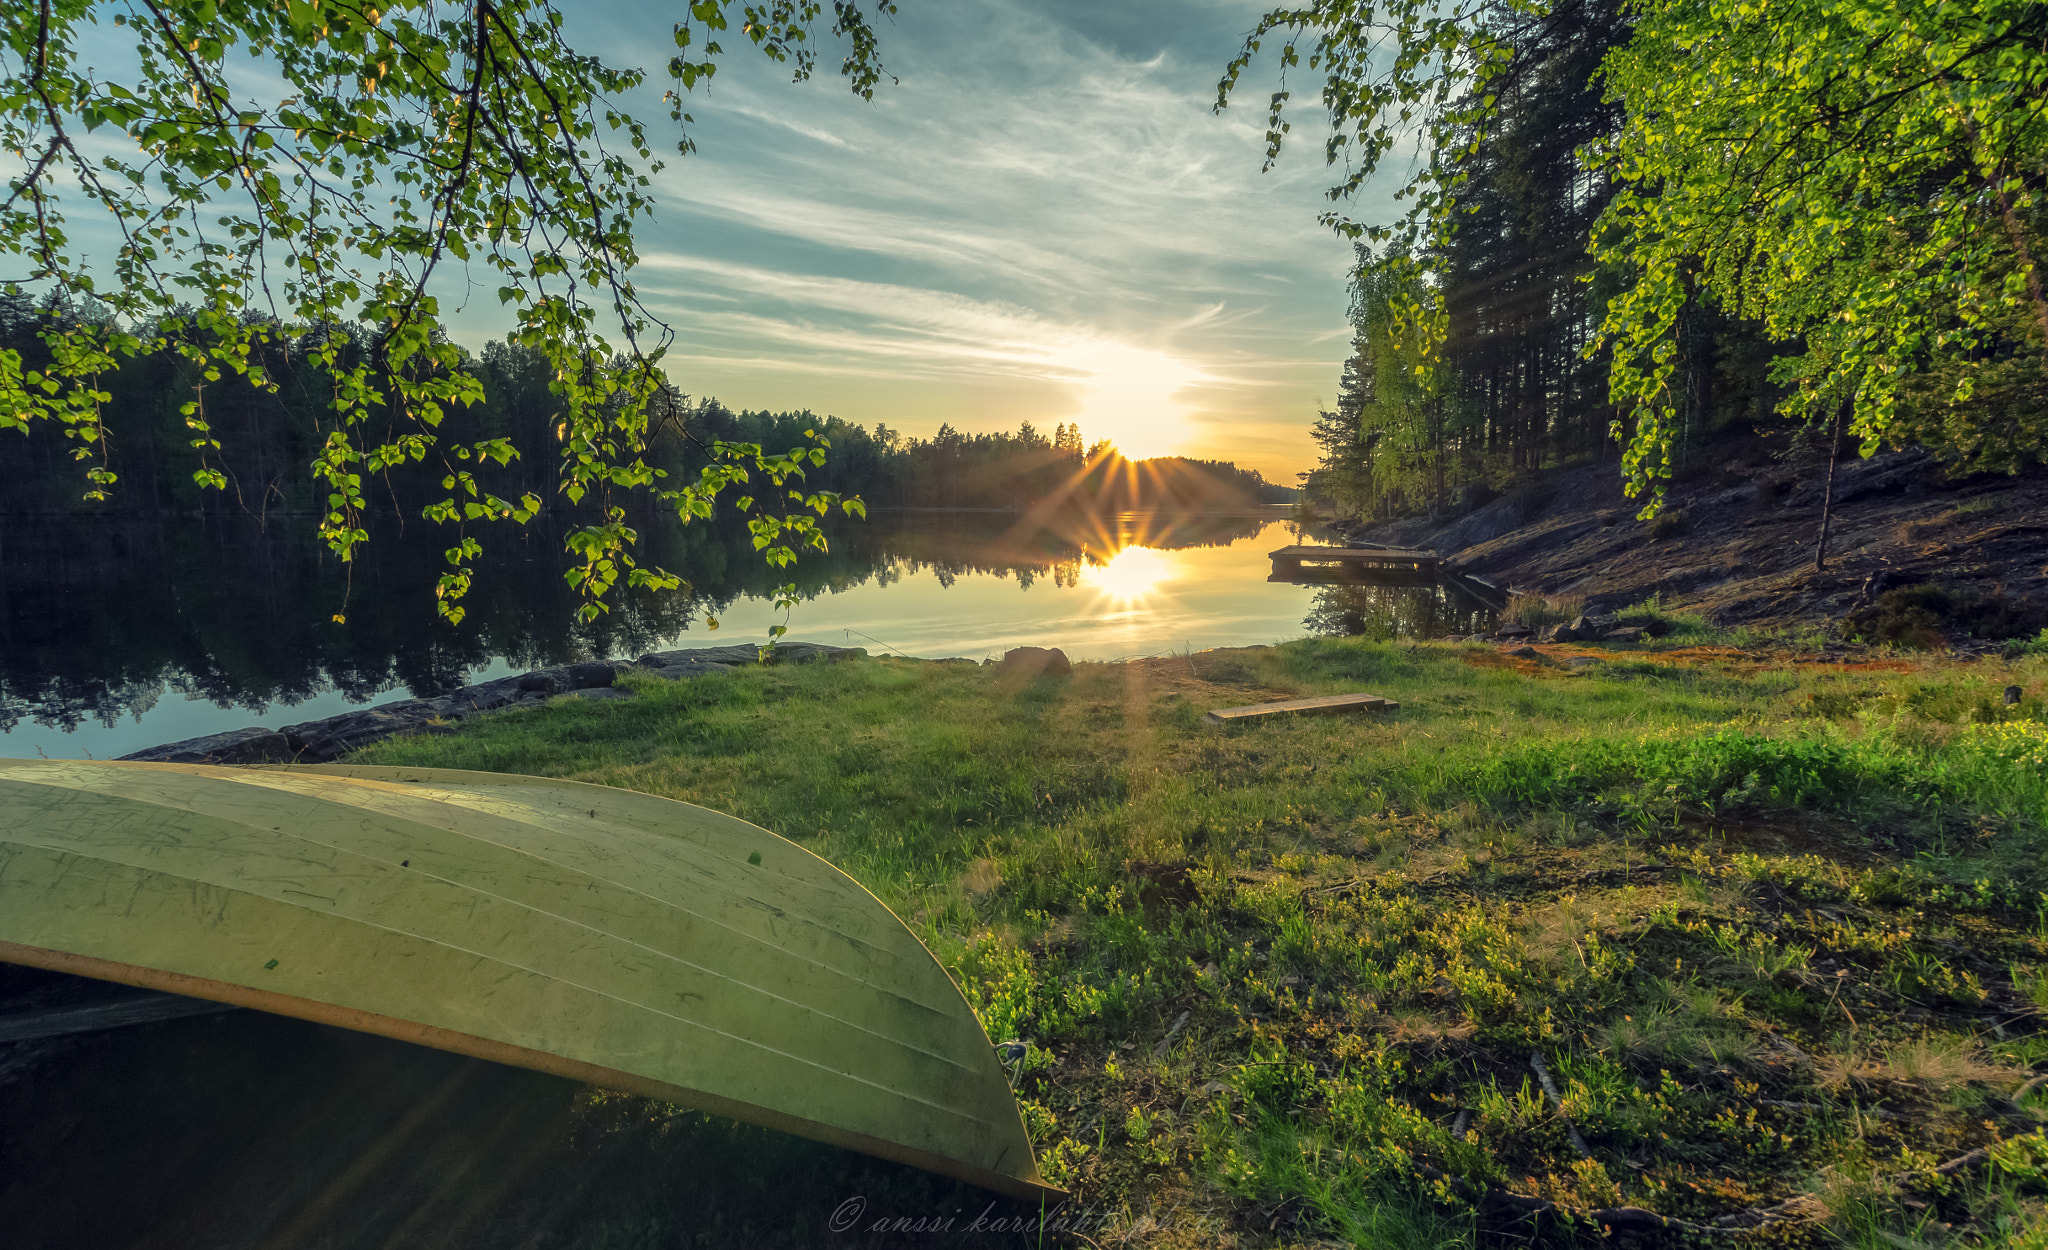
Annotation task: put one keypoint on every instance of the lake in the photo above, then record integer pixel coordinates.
(121, 634)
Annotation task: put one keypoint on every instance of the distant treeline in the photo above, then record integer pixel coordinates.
(268, 437)
(956, 470)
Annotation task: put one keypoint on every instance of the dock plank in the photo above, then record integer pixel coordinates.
(1352, 554)
(1305, 563)
(1322, 705)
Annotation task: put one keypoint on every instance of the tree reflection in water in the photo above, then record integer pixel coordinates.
(101, 618)
(1397, 611)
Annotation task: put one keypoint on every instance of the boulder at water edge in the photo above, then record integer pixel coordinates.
(1037, 662)
(254, 745)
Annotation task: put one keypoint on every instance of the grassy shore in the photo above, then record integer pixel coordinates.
(1772, 921)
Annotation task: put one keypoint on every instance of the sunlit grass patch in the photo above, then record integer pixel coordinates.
(1278, 973)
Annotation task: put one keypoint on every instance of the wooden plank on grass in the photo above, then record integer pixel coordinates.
(1324, 705)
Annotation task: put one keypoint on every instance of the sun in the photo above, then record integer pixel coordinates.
(1131, 575)
(1128, 396)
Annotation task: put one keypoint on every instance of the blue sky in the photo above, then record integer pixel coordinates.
(1041, 221)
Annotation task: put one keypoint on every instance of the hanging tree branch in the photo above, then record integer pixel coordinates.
(384, 141)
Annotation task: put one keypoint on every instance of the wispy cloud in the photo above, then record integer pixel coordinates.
(1043, 219)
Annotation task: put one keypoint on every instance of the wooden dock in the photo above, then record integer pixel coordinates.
(1303, 563)
(1325, 705)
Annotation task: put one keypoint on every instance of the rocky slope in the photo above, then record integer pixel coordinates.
(1737, 541)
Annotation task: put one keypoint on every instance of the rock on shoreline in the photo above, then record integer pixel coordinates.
(326, 740)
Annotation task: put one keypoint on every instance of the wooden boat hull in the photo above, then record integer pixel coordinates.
(616, 938)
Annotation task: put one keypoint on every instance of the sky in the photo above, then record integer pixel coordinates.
(1041, 221)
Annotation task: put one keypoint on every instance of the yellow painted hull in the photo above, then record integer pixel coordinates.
(616, 938)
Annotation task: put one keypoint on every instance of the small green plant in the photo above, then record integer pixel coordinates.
(2030, 982)
(1923, 616)
(1137, 1125)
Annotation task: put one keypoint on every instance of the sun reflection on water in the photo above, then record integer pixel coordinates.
(1130, 575)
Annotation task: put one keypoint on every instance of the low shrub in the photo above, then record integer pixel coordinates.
(1656, 621)
(1924, 616)
(1537, 611)
(1669, 524)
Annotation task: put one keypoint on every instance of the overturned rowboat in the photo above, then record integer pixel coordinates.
(627, 941)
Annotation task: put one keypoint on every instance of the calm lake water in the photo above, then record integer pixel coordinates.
(118, 635)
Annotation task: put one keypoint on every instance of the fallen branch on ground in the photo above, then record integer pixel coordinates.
(1557, 1102)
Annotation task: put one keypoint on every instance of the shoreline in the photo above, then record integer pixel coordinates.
(327, 739)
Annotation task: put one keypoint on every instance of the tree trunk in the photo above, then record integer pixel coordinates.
(1827, 498)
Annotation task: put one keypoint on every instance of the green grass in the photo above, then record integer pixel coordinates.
(1739, 905)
